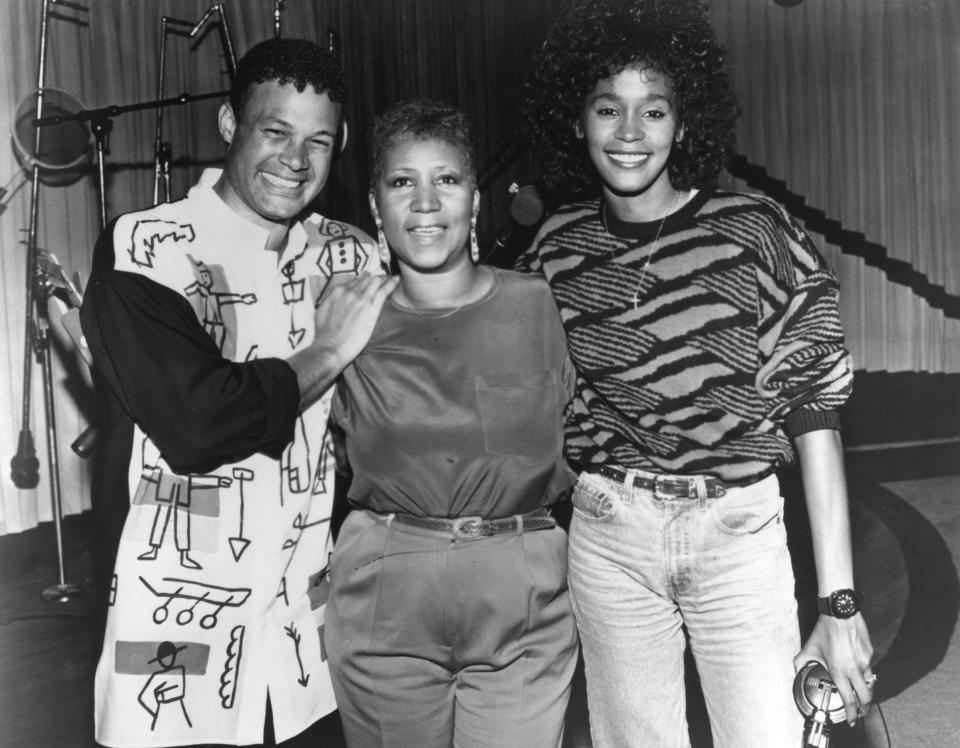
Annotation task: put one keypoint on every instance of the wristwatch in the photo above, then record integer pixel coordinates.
(840, 603)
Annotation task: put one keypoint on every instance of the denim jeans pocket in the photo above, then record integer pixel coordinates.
(750, 510)
(592, 501)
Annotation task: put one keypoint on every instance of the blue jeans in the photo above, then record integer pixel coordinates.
(644, 568)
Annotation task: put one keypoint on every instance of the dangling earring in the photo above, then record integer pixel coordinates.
(384, 248)
(474, 245)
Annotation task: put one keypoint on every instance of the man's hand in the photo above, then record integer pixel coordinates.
(345, 317)
(348, 311)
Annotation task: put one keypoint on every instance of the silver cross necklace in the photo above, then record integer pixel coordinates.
(674, 203)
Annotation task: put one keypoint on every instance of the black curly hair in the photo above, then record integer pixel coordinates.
(593, 39)
(298, 61)
(421, 119)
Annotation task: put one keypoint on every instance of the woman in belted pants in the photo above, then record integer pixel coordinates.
(449, 621)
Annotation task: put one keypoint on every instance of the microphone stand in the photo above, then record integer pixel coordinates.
(277, 7)
(168, 25)
(39, 284)
(25, 466)
(101, 125)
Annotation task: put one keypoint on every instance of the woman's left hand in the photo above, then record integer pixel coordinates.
(843, 646)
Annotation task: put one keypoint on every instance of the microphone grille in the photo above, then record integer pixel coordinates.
(528, 206)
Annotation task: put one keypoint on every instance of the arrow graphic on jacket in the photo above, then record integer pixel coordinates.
(238, 543)
(295, 636)
(295, 335)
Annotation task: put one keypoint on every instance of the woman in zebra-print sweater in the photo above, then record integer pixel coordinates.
(704, 326)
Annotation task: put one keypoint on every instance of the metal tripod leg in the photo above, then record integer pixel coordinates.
(64, 591)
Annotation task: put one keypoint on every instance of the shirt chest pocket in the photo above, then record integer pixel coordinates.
(520, 414)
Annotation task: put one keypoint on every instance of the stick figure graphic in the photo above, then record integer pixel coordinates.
(167, 685)
(173, 495)
(212, 303)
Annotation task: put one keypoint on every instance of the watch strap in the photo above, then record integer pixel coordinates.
(825, 604)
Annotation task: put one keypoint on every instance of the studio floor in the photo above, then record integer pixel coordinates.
(906, 529)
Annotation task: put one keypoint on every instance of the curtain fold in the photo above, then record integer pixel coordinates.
(852, 105)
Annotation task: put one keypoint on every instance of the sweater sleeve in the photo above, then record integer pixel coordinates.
(200, 409)
(805, 369)
(529, 260)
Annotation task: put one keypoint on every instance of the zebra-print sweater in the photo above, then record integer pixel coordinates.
(709, 358)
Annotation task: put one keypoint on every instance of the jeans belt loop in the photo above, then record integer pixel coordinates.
(700, 486)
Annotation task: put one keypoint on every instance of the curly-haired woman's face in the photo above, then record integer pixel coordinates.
(630, 123)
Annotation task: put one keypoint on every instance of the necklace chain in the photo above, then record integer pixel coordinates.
(674, 203)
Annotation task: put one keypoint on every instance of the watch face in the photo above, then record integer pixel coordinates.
(844, 603)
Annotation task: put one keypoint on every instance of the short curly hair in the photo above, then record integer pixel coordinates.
(421, 119)
(301, 62)
(595, 39)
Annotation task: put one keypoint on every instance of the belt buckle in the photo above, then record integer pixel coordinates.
(672, 488)
(468, 528)
(658, 493)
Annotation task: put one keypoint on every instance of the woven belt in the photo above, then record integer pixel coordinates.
(664, 486)
(474, 528)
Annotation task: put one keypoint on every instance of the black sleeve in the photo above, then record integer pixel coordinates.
(200, 409)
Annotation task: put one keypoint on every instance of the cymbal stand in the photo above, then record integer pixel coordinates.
(163, 151)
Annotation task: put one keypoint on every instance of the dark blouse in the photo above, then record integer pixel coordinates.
(459, 412)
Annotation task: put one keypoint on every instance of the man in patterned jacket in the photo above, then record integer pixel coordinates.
(217, 324)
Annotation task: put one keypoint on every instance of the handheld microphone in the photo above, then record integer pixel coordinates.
(24, 466)
(84, 444)
(819, 701)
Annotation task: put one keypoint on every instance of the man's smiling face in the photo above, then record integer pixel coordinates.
(279, 152)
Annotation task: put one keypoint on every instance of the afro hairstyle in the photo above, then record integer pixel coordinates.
(594, 39)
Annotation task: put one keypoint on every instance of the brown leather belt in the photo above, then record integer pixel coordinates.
(474, 527)
(664, 486)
